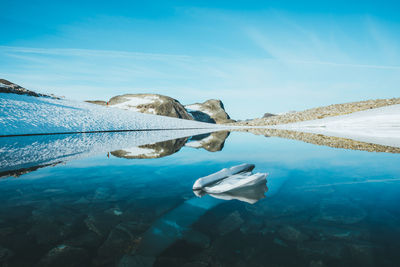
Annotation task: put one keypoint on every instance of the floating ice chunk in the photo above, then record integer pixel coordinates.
(249, 194)
(236, 181)
(224, 173)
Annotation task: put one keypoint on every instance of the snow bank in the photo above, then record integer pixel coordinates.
(378, 126)
(20, 114)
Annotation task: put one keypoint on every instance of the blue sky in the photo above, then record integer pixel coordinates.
(256, 56)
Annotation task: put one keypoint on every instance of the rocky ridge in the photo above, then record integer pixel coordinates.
(8, 87)
(320, 112)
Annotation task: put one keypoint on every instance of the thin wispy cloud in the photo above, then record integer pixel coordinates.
(91, 53)
(300, 45)
(256, 62)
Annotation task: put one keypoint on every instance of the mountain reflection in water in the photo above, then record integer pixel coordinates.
(211, 142)
(20, 155)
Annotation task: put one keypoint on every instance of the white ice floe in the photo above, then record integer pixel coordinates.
(235, 182)
(21, 114)
(378, 126)
(224, 173)
(248, 194)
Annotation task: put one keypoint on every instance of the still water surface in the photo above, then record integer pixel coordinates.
(322, 207)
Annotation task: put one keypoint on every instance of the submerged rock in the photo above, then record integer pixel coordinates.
(136, 261)
(101, 223)
(52, 223)
(292, 234)
(197, 238)
(4, 231)
(230, 223)
(64, 255)
(5, 254)
(280, 242)
(87, 239)
(363, 253)
(320, 249)
(317, 264)
(251, 226)
(102, 193)
(118, 242)
(338, 233)
(341, 211)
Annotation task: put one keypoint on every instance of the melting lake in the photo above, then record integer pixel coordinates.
(61, 204)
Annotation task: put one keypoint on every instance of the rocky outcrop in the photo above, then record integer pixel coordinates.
(267, 115)
(157, 150)
(8, 87)
(211, 111)
(97, 102)
(148, 103)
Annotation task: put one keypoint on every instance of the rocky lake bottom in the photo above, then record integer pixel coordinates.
(321, 206)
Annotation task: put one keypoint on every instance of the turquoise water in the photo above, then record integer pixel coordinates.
(323, 207)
